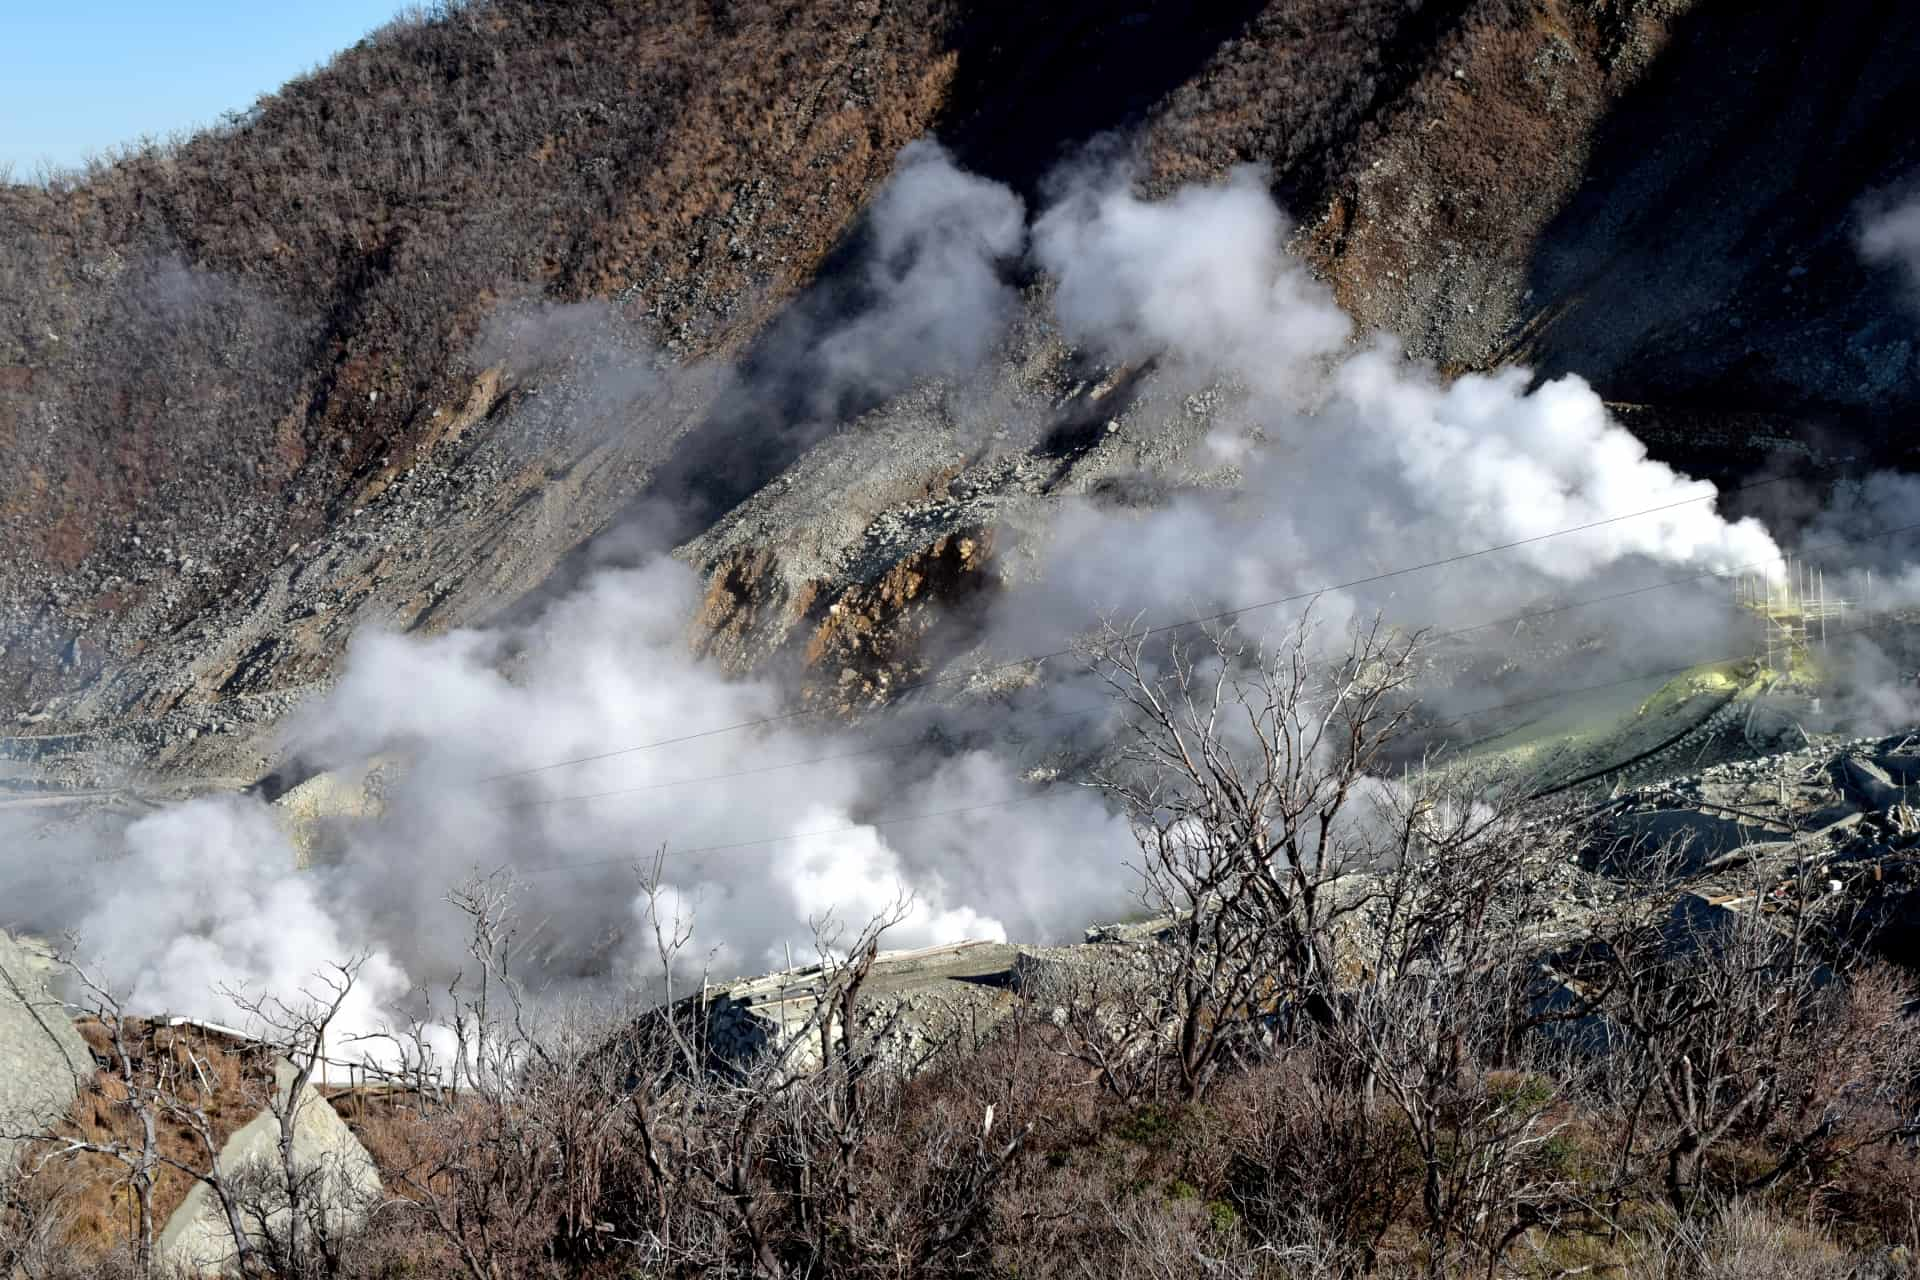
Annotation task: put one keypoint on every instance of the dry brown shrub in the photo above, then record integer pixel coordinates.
(1307, 1150)
(99, 1203)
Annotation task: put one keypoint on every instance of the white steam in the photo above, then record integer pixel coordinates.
(1354, 461)
(204, 912)
(1351, 461)
(1203, 274)
(205, 895)
(936, 298)
(1893, 236)
(605, 670)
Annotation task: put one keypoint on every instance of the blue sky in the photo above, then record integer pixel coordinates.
(80, 75)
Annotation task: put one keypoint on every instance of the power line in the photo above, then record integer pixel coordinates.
(1255, 606)
(903, 820)
(1047, 788)
(1162, 629)
(898, 745)
(1461, 718)
(910, 744)
(1647, 675)
(1830, 545)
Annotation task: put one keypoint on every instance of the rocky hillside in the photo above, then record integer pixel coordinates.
(261, 385)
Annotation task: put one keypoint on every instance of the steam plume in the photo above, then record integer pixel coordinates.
(1348, 460)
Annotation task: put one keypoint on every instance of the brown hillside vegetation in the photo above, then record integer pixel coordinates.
(220, 345)
(269, 310)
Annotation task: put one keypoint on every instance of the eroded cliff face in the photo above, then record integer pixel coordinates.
(1654, 195)
(852, 644)
(875, 637)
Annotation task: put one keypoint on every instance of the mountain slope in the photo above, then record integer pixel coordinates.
(223, 348)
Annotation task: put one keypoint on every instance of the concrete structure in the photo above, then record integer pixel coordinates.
(928, 993)
(930, 997)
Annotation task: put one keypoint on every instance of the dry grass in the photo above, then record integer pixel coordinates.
(93, 1187)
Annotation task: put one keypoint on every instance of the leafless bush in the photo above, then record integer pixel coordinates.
(1734, 1023)
(1241, 770)
(1313, 1162)
(302, 1208)
(1159, 1236)
(304, 1225)
(509, 1138)
(1435, 1020)
(584, 1136)
(1118, 1020)
(33, 1225)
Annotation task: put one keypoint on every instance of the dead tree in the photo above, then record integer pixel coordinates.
(300, 1206)
(142, 1100)
(1238, 769)
(475, 1166)
(137, 1093)
(1744, 1021)
(488, 1050)
(1444, 982)
(159, 1077)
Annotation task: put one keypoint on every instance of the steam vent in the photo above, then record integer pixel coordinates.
(850, 640)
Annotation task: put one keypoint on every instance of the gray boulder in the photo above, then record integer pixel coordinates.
(43, 1060)
(337, 1175)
